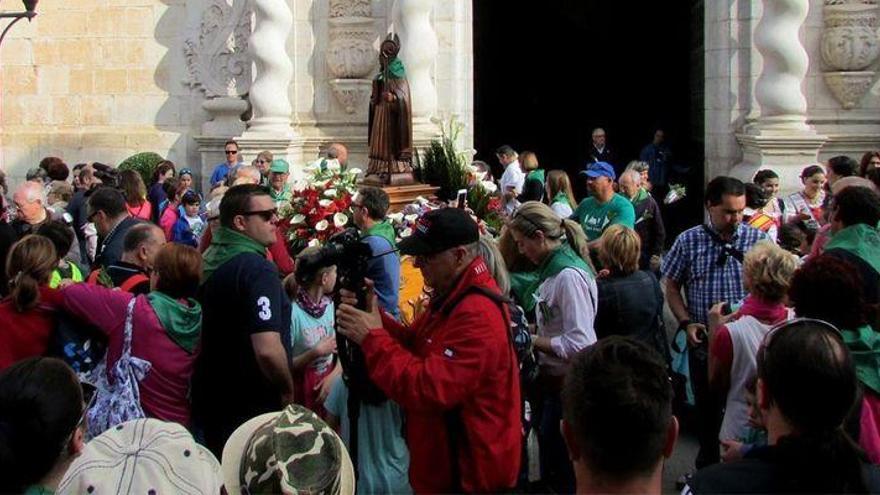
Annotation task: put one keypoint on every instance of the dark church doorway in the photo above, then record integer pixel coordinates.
(547, 72)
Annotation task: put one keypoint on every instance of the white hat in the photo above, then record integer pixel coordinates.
(144, 456)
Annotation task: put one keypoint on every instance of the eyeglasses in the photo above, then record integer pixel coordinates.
(262, 161)
(89, 394)
(231, 152)
(266, 215)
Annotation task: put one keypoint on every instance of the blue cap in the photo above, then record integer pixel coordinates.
(599, 169)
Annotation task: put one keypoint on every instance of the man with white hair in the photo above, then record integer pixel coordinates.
(30, 203)
(247, 174)
(649, 223)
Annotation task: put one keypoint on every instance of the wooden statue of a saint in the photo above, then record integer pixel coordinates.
(390, 125)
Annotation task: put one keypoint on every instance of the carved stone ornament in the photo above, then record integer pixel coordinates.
(350, 54)
(849, 87)
(849, 46)
(352, 94)
(350, 8)
(216, 54)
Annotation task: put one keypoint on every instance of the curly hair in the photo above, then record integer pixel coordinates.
(769, 269)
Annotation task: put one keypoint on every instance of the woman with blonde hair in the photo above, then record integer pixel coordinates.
(533, 188)
(735, 334)
(630, 300)
(563, 296)
(559, 193)
(26, 320)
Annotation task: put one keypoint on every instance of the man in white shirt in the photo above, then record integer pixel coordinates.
(513, 178)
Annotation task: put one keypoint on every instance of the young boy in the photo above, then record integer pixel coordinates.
(190, 226)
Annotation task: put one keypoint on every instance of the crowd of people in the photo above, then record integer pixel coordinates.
(166, 337)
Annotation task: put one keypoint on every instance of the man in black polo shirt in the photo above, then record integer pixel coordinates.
(108, 211)
(132, 272)
(244, 367)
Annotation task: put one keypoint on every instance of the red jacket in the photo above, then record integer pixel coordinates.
(24, 335)
(454, 358)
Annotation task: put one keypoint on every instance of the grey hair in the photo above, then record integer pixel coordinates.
(495, 262)
(34, 191)
(634, 175)
(638, 166)
(249, 171)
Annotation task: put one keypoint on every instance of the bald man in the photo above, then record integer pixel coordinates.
(31, 212)
(339, 152)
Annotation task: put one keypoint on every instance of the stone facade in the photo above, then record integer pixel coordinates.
(787, 82)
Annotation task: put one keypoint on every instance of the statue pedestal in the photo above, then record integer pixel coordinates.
(400, 196)
(398, 179)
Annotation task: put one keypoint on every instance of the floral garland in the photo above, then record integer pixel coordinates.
(320, 205)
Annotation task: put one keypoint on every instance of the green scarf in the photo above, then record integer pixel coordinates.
(382, 229)
(537, 174)
(525, 285)
(394, 70)
(864, 347)
(561, 197)
(225, 245)
(861, 240)
(640, 196)
(182, 323)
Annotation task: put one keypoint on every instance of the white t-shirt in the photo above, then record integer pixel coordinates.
(514, 178)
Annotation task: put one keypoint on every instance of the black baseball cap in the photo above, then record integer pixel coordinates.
(439, 230)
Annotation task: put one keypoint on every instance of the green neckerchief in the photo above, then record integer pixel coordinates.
(382, 229)
(864, 347)
(394, 70)
(561, 197)
(225, 245)
(284, 195)
(640, 196)
(525, 285)
(182, 323)
(38, 490)
(537, 174)
(861, 240)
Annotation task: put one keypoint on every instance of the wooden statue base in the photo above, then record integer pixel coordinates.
(401, 196)
(398, 179)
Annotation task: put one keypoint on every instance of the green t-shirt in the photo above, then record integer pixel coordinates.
(595, 217)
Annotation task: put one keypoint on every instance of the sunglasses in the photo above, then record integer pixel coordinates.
(91, 216)
(231, 152)
(266, 215)
(89, 395)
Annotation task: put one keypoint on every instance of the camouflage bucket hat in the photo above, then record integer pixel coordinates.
(291, 451)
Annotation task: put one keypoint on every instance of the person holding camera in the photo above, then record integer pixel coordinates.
(454, 372)
(735, 336)
(706, 262)
(370, 208)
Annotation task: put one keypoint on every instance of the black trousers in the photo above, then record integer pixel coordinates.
(708, 407)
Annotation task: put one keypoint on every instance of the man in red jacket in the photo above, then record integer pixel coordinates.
(453, 371)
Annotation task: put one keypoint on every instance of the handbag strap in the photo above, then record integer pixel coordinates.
(129, 316)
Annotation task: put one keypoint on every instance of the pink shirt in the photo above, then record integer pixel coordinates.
(144, 211)
(165, 389)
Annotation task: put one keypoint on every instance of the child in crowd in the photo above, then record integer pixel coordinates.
(170, 211)
(191, 224)
(559, 193)
(793, 238)
(312, 333)
(755, 435)
(61, 236)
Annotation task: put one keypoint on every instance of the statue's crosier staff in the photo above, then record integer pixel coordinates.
(30, 7)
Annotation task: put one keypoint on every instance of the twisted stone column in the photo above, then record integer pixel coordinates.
(778, 89)
(418, 51)
(274, 69)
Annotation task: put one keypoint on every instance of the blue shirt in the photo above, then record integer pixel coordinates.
(383, 459)
(595, 217)
(693, 264)
(384, 271)
(221, 171)
(306, 331)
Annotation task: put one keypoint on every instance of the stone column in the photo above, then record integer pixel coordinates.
(780, 137)
(418, 52)
(274, 70)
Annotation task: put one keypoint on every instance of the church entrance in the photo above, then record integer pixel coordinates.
(547, 73)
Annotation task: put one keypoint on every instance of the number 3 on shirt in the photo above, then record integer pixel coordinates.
(265, 305)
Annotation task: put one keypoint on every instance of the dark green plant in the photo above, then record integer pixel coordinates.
(144, 163)
(443, 165)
